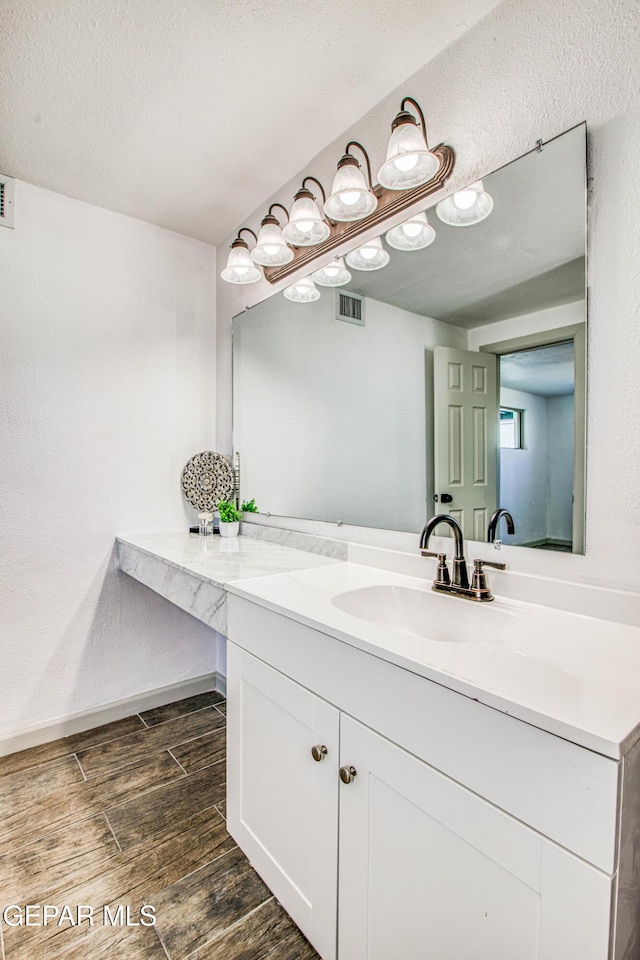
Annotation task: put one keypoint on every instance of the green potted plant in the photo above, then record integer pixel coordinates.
(229, 519)
(249, 506)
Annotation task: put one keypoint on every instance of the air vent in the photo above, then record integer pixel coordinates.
(349, 307)
(7, 206)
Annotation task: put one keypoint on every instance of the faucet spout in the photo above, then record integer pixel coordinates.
(493, 524)
(430, 526)
(460, 577)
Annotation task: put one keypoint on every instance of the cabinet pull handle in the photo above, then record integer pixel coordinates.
(347, 774)
(319, 752)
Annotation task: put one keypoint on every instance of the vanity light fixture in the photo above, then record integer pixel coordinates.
(335, 274)
(240, 267)
(370, 256)
(411, 173)
(271, 249)
(414, 234)
(302, 291)
(351, 197)
(466, 207)
(306, 226)
(409, 161)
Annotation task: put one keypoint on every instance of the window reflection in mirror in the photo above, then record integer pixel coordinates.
(339, 421)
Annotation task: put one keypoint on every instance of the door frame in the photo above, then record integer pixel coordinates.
(577, 333)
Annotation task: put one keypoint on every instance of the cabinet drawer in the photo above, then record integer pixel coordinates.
(563, 791)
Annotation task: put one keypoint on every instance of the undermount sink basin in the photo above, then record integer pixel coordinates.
(423, 613)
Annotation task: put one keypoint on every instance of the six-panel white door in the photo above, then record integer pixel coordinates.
(282, 804)
(430, 871)
(465, 437)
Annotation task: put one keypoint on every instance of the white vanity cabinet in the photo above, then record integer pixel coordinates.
(282, 805)
(463, 834)
(429, 869)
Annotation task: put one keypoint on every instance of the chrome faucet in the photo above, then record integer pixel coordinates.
(458, 584)
(493, 524)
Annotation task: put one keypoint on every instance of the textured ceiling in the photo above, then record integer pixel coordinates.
(545, 371)
(189, 113)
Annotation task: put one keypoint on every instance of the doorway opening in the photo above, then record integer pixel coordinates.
(536, 454)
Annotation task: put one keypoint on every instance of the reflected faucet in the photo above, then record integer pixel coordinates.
(458, 584)
(493, 524)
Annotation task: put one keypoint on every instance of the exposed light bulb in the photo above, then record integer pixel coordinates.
(271, 249)
(405, 162)
(412, 228)
(368, 252)
(304, 225)
(465, 199)
(349, 197)
(332, 271)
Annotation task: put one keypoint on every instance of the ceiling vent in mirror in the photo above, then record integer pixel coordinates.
(7, 191)
(349, 307)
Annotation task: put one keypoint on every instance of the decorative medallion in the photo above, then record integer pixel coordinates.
(206, 479)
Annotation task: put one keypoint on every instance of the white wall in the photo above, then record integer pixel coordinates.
(318, 397)
(560, 427)
(528, 71)
(108, 351)
(524, 472)
(566, 315)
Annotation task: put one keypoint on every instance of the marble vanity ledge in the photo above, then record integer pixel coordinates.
(591, 600)
(311, 543)
(198, 595)
(193, 572)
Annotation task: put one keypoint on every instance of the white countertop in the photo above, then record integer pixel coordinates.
(575, 676)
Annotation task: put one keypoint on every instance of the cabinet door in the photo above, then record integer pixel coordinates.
(430, 871)
(282, 805)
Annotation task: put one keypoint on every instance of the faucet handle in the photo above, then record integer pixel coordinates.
(479, 564)
(442, 573)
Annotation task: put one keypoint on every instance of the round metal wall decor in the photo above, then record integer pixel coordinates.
(206, 479)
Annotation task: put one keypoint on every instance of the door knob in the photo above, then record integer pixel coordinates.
(319, 752)
(347, 774)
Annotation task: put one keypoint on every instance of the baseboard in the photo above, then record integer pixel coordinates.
(78, 722)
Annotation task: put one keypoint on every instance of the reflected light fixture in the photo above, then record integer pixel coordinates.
(240, 267)
(334, 274)
(370, 256)
(466, 207)
(271, 249)
(351, 198)
(306, 225)
(409, 161)
(302, 291)
(416, 233)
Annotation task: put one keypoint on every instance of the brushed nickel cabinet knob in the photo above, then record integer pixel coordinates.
(319, 752)
(347, 774)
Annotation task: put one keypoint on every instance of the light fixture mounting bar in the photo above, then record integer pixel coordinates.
(390, 202)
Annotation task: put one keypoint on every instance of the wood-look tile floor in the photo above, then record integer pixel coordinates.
(132, 815)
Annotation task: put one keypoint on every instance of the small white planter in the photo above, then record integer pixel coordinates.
(229, 529)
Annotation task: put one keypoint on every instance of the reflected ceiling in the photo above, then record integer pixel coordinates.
(532, 252)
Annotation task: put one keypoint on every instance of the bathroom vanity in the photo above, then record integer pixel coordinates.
(396, 811)
(417, 775)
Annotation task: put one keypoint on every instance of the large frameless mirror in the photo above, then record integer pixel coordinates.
(450, 380)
